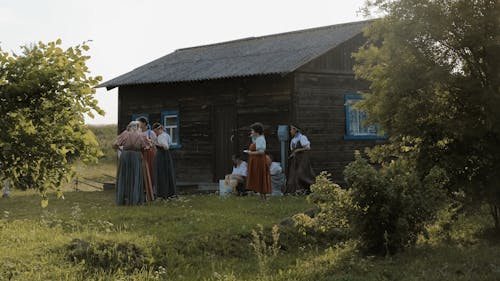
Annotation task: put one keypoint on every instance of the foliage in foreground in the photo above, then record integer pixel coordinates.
(45, 92)
(434, 74)
(394, 203)
(386, 208)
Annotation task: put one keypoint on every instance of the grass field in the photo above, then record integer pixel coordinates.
(204, 237)
(190, 237)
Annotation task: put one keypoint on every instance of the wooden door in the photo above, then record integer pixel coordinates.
(225, 139)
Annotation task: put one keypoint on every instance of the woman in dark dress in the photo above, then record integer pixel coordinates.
(164, 174)
(300, 174)
(259, 178)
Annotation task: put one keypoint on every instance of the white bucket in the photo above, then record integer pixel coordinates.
(224, 190)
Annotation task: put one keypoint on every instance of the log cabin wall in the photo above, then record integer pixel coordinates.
(318, 103)
(264, 99)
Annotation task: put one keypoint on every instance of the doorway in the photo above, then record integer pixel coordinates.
(225, 138)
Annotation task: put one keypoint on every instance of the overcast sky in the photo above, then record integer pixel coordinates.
(126, 34)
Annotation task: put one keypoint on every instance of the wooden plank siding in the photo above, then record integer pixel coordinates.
(318, 98)
(261, 98)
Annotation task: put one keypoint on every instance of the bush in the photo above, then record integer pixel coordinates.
(393, 203)
(334, 205)
(325, 225)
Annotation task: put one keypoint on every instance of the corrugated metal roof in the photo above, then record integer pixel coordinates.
(272, 54)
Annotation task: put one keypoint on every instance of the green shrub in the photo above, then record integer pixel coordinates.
(334, 203)
(325, 225)
(393, 203)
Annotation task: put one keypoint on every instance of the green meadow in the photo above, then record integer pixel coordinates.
(85, 236)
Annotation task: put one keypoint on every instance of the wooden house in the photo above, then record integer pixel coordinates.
(207, 96)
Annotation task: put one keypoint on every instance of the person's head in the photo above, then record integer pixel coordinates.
(157, 128)
(133, 126)
(143, 123)
(237, 159)
(294, 130)
(257, 129)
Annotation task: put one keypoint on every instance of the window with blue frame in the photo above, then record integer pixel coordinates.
(356, 127)
(170, 121)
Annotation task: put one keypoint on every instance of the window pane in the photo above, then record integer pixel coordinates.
(170, 120)
(173, 135)
(362, 120)
(354, 122)
(372, 130)
(357, 121)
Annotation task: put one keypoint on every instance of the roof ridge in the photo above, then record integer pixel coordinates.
(275, 35)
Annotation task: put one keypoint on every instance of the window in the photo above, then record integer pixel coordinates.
(170, 121)
(355, 121)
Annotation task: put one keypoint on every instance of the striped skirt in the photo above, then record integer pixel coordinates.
(130, 179)
(148, 157)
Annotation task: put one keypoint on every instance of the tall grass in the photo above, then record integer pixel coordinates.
(201, 237)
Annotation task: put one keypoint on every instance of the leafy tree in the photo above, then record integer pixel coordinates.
(434, 69)
(45, 93)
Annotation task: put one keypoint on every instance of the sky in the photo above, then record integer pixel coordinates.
(126, 34)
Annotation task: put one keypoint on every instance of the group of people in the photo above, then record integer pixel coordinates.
(146, 169)
(264, 176)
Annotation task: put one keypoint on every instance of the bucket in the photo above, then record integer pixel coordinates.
(224, 190)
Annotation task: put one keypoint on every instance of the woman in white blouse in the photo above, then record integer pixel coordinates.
(164, 174)
(300, 174)
(259, 179)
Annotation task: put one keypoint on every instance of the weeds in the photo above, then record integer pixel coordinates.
(265, 252)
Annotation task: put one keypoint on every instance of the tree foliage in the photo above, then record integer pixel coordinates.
(45, 93)
(434, 71)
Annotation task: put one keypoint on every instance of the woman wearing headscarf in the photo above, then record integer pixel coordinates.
(259, 178)
(300, 174)
(130, 175)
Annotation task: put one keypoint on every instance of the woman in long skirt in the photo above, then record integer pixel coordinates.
(300, 174)
(148, 156)
(164, 174)
(130, 175)
(259, 178)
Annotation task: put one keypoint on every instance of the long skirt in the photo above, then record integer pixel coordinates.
(130, 179)
(259, 178)
(300, 174)
(149, 185)
(164, 174)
